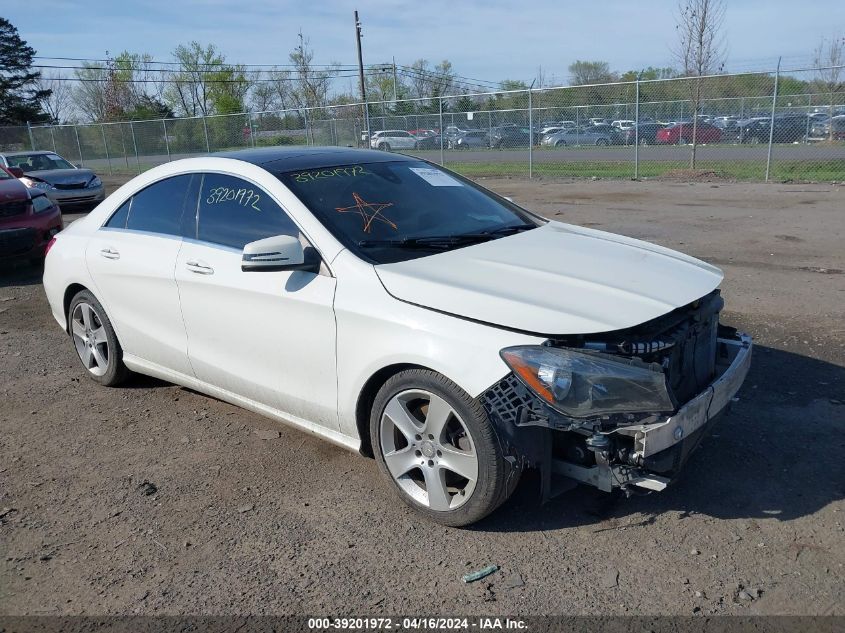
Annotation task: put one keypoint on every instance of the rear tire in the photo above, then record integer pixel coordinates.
(560, 143)
(384, 147)
(438, 448)
(95, 340)
(602, 142)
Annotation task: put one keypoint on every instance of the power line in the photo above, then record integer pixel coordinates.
(212, 64)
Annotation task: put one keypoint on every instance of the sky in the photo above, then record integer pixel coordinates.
(484, 39)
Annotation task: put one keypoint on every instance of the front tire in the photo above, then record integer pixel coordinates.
(95, 340)
(437, 446)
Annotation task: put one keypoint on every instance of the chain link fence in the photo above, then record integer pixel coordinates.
(751, 126)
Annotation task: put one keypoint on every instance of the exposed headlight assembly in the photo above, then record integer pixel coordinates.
(95, 182)
(584, 385)
(36, 184)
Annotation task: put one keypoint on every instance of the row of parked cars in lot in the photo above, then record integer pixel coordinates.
(788, 128)
(34, 189)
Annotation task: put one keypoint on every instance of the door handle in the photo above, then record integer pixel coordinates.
(109, 253)
(199, 267)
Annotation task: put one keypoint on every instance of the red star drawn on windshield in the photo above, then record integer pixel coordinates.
(369, 211)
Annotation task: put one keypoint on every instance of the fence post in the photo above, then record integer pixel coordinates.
(251, 130)
(135, 146)
(772, 121)
(305, 117)
(53, 136)
(166, 142)
(106, 147)
(637, 130)
(31, 138)
(530, 136)
(79, 146)
(440, 110)
(205, 129)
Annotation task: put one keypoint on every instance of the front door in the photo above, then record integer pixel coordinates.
(265, 336)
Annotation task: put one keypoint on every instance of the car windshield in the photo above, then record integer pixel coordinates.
(394, 211)
(38, 162)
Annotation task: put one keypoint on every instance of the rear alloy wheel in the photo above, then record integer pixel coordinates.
(602, 142)
(384, 146)
(95, 340)
(437, 446)
(560, 143)
(643, 141)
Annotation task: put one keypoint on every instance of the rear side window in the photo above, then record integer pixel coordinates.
(159, 207)
(234, 212)
(119, 217)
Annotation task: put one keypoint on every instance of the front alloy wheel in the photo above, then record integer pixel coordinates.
(437, 446)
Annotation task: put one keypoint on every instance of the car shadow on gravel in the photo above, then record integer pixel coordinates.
(778, 454)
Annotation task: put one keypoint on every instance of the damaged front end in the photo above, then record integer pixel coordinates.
(621, 409)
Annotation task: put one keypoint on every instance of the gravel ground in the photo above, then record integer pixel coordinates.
(153, 499)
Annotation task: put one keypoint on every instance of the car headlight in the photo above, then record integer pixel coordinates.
(36, 184)
(95, 182)
(583, 385)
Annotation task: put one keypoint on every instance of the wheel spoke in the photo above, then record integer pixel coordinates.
(401, 461)
(438, 414)
(78, 329)
(99, 358)
(398, 414)
(99, 335)
(86, 316)
(460, 462)
(86, 357)
(435, 487)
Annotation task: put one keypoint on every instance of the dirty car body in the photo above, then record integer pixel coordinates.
(392, 307)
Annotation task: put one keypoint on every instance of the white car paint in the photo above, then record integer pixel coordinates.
(300, 347)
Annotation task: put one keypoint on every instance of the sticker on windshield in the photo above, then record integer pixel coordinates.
(435, 177)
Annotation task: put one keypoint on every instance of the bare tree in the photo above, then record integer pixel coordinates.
(89, 94)
(828, 59)
(312, 85)
(700, 51)
(585, 72)
(59, 101)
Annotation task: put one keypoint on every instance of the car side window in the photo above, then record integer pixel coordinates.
(234, 212)
(159, 207)
(119, 217)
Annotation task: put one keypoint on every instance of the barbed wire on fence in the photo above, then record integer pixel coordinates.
(761, 125)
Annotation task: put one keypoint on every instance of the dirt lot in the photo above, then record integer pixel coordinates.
(242, 525)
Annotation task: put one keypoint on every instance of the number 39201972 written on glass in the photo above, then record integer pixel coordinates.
(243, 197)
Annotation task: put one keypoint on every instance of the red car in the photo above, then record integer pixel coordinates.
(682, 133)
(27, 222)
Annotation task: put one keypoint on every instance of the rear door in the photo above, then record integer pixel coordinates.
(132, 259)
(266, 336)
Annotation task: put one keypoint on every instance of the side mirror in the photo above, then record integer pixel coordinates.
(17, 172)
(277, 253)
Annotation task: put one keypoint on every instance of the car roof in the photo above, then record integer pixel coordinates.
(27, 153)
(293, 158)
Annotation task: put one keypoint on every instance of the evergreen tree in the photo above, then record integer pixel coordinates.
(20, 95)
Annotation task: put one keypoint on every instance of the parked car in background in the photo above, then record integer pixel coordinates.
(623, 124)
(588, 135)
(821, 131)
(788, 128)
(29, 219)
(645, 133)
(599, 121)
(396, 309)
(452, 132)
(62, 182)
(427, 139)
(471, 139)
(393, 139)
(511, 136)
(683, 133)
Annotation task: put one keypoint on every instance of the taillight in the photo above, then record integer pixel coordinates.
(49, 245)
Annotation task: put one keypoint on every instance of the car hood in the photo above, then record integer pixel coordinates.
(557, 279)
(63, 176)
(12, 190)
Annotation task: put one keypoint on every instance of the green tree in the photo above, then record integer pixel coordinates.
(20, 94)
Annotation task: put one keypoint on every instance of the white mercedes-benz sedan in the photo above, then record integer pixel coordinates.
(397, 309)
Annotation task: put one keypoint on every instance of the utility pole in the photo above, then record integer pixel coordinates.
(358, 36)
(394, 80)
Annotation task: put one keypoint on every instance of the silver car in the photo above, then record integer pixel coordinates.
(591, 135)
(63, 182)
